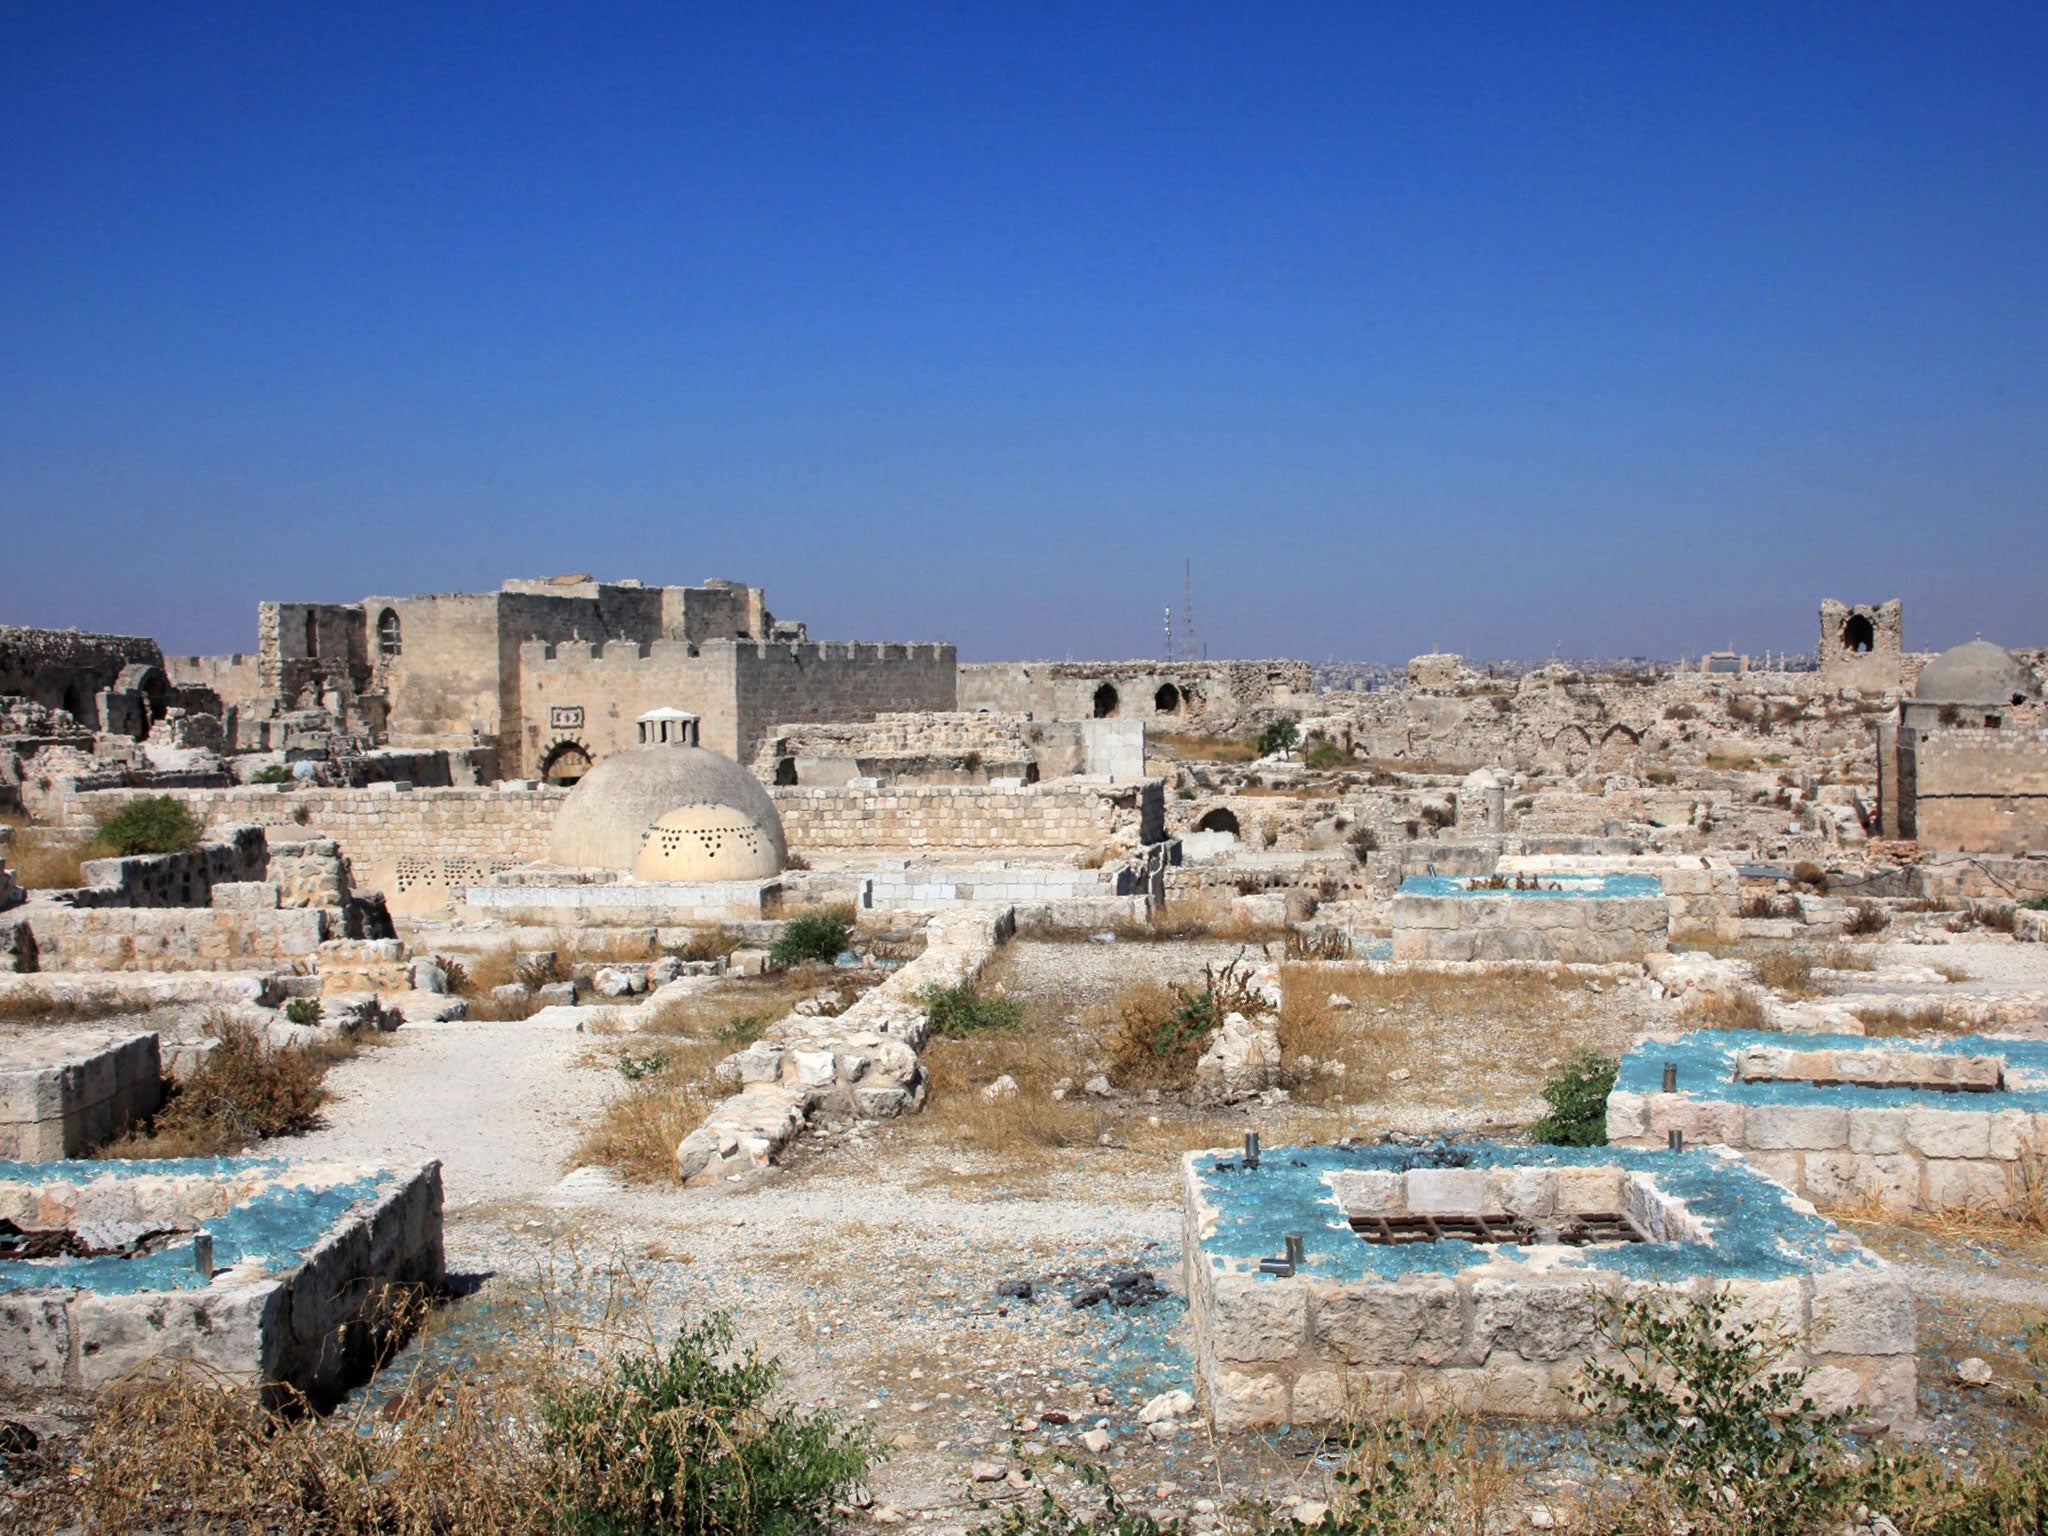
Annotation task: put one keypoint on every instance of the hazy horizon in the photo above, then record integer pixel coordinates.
(1617, 331)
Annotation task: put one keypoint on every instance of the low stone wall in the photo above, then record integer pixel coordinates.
(1705, 893)
(1506, 1328)
(628, 904)
(1912, 1125)
(64, 1092)
(90, 993)
(305, 1261)
(862, 1062)
(1603, 930)
(1075, 813)
(236, 854)
(172, 938)
(379, 827)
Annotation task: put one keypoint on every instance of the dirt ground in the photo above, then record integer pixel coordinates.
(870, 1264)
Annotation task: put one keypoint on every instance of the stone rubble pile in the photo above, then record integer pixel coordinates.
(861, 1063)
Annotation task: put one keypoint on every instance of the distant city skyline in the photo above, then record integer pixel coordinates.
(1615, 331)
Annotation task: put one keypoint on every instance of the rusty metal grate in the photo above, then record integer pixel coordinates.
(99, 1240)
(1580, 1231)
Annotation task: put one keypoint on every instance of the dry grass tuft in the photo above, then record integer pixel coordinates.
(1888, 1023)
(638, 1132)
(46, 864)
(1029, 1123)
(245, 1091)
(1740, 1009)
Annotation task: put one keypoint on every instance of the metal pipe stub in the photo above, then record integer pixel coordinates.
(1671, 1077)
(202, 1253)
(1251, 1149)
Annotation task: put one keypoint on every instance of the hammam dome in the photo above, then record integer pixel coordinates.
(695, 797)
(1979, 674)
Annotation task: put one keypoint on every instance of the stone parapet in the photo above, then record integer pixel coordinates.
(172, 938)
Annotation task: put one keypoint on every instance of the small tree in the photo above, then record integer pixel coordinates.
(1577, 1097)
(1280, 736)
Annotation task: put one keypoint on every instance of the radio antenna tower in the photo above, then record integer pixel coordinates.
(1187, 616)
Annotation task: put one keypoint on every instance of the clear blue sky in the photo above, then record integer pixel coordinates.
(1632, 328)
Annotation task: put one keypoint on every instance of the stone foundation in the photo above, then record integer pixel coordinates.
(65, 1091)
(1506, 1328)
(305, 1259)
(1598, 920)
(172, 938)
(1911, 1125)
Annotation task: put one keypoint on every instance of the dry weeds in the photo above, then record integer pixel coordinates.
(1740, 1009)
(244, 1091)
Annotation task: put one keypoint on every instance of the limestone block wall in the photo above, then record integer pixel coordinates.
(75, 1093)
(1074, 813)
(172, 938)
(377, 827)
(1592, 930)
(66, 668)
(313, 1261)
(1977, 791)
(1705, 894)
(235, 854)
(1471, 1327)
(1827, 1117)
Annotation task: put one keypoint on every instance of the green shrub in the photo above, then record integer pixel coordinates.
(1327, 755)
(1049, 1517)
(690, 1439)
(1280, 736)
(1710, 1409)
(957, 1012)
(1577, 1097)
(275, 773)
(744, 1028)
(302, 1010)
(157, 824)
(2035, 903)
(813, 936)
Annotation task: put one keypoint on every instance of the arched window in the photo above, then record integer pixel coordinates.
(1105, 702)
(1857, 634)
(566, 764)
(1167, 700)
(1222, 819)
(389, 641)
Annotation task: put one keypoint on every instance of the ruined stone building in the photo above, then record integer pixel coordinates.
(1206, 695)
(1862, 646)
(103, 682)
(553, 673)
(1964, 766)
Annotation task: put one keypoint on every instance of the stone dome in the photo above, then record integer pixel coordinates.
(1979, 674)
(705, 842)
(613, 808)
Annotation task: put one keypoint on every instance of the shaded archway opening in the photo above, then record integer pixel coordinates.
(1167, 700)
(1222, 819)
(72, 704)
(1106, 702)
(566, 764)
(390, 638)
(1859, 635)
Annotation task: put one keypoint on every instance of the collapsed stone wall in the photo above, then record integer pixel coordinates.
(1064, 814)
(66, 669)
(1210, 695)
